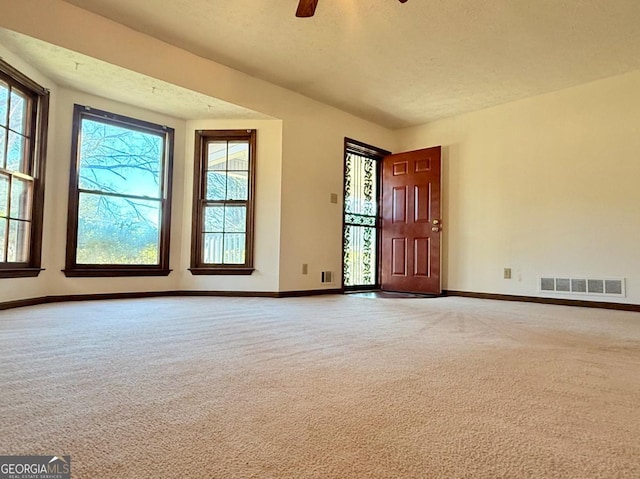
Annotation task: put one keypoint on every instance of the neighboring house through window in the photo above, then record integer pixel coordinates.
(222, 235)
(119, 197)
(24, 109)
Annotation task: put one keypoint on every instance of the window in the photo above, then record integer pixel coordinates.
(119, 196)
(24, 108)
(222, 241)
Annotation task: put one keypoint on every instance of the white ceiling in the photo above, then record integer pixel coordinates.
(87, 74)
(401, 64)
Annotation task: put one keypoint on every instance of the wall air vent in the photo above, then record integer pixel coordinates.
(588, 286)
(327, 276)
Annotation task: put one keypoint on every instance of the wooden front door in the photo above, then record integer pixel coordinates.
(411, 222)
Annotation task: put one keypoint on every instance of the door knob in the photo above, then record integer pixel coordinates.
(436, 222)
(435, 229)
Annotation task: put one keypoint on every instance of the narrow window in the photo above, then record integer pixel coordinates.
(222, 239)
(119, 196)
(24, 108)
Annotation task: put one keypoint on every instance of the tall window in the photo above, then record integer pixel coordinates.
(24, 108)
(222, 241)
(119, 196)
(361, 215)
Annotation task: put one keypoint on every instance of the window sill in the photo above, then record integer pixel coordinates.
(113, 272)
(20, 272)
(221, 271)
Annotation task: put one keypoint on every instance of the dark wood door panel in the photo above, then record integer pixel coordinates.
(422, 197)
(421, 256)
(399, 206)
(399, 256)
(411, 221)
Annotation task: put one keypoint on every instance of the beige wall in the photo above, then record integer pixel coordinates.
(310, 163)
(267, 210)
(53, 282)
(313, 168)
(546, 186)
(56, 198)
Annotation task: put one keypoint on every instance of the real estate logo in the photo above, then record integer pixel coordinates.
(35, 467)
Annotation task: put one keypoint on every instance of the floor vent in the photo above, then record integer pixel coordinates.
(590, 286)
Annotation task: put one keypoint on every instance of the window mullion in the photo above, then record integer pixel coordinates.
(5, 233)
(18, 174)
(118, 195)
(225, 202)
(9, 195)
(5, 157)
(8, 225)
(5, 147)
(8, 119)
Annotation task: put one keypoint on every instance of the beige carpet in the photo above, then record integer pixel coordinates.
(326, 387)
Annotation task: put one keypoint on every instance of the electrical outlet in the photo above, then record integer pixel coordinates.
(305, 268)
(507, 273)
(333, 198)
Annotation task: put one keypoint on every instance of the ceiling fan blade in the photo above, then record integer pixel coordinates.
(306, 8)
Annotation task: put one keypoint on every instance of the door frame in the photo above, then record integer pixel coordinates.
(376, 154)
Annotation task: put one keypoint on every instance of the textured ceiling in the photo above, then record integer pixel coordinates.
(401, 64)
(99, 78)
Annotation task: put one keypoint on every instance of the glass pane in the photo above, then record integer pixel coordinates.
(217, 155)
(20, 199)
(359, 220)
(4, 195)
(3, 142)
(3, 236)
(235, 219)
(216, 185)
(15, 153)
(360, 185)
(4, 100)
(119, 160)
(18, 113)
(117, 231)
(234, 248)
(359, 256)
(212, 248)
(238, 185)
(214, 219)
(238, 156)
(18, 251)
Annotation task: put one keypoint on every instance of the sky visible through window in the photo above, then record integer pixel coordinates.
(120, 202)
